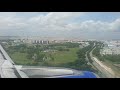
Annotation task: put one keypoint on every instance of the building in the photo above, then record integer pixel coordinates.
(83, 44)
(40, 42)
(111, 47)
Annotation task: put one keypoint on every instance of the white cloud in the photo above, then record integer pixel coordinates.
(93, 26)
(55, 22)
(9, 21)
(59, 21)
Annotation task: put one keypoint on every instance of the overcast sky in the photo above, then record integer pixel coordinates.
(88, 25)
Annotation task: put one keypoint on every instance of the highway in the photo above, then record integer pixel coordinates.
(106, 71)
(87, 59)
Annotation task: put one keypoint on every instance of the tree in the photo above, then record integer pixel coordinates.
(51, 57)
(60, 49)
(35, 57)
(40, 57)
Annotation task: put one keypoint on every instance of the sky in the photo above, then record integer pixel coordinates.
(84, 25)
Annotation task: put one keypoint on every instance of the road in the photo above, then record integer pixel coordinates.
(87, 59)
(106, 71)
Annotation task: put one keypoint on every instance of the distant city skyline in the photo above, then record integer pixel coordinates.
(84, 25)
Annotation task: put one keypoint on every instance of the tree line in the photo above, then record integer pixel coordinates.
(81, 63)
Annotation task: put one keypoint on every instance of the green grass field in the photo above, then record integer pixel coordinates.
(20, 58)
(59, 57)
(64, 56)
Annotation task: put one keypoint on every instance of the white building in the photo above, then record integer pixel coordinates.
(83, 44)
(111, 47)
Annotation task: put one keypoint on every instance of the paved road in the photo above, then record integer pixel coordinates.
(87, 59)
(105, 70)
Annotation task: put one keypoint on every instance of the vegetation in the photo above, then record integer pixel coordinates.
(80, 63)
(96, 51)
(34, 54)
(112, 58)
(67, 45)
(63, 55)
